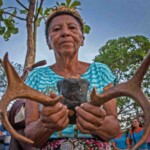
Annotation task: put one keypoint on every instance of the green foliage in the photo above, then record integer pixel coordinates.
(123, 51)
(86, 29)
(24, 11)
(124, 55)
(69, 4)
(8, 16)
(1, 2)
(7, 24)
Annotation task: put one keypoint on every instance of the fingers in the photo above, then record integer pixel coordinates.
(84, 126)
(82, 129)
(89, 118)
(95, 110)
(49, 110)
(55, 117)
(53, 94)
(58, 125)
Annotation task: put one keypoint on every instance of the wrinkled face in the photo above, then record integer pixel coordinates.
(135, 123)
(64, 35)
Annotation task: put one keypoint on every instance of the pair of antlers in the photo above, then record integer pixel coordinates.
(18, 89)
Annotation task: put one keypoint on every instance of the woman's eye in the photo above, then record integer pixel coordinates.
(72, 27)
(56, 29)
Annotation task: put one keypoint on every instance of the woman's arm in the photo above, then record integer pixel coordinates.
(40, 125)
(129, 143)
(114, 145)
(101, 122)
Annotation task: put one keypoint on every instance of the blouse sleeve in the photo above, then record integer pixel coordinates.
(32, 79)
(107, 75)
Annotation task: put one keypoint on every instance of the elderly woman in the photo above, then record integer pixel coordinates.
(49, 126)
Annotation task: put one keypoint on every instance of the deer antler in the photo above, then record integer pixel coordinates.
(131, 88)
(17, 89)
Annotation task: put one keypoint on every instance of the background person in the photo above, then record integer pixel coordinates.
(135, 135)
(119, 143)
(64, 34)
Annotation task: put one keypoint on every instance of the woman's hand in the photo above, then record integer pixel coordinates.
(89, 118)
(54, 117)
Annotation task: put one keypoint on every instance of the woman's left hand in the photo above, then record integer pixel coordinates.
(89, 118)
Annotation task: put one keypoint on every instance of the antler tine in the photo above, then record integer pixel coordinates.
(116, 91)
(131, 88)
(17, 89)
(123, 89)
(12, 131)
(139, 75)
(10, 70)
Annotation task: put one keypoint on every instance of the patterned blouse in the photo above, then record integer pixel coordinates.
(44, 80)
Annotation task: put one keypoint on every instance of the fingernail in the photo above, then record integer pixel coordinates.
(59, 105)
(77, 108)
(82, 105)
(65, 107)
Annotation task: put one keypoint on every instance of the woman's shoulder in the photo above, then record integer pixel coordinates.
(100, 68)
(39, 70)
(36, 74)
(99, 65)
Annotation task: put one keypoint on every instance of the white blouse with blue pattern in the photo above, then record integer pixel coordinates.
(44, 80)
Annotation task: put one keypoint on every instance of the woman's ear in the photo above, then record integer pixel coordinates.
(82, 43)
(49, 45)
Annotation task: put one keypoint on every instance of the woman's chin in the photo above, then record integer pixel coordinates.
(67, 51)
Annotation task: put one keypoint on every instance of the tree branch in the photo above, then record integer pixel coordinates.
(22, 5)
(123, 109)
(31, 51)
(15, 16)
(38, 10)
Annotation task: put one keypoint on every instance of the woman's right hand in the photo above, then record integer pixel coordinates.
(54, 117)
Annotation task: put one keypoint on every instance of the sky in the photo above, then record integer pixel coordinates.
(108, 19)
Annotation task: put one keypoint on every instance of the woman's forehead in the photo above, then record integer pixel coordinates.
(135, 120)
(63, 19)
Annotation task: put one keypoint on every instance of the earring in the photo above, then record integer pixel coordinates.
(82, 44)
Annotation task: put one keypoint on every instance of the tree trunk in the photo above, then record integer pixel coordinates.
(31, 51)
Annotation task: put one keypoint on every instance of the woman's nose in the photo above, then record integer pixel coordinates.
(65, 31)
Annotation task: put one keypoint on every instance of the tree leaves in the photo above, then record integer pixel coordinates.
(123, 56)
(12, 15)
(8, 29)
(24, 11)
(75, 4)
(2, 30)
(68, 2)
(8, 18)
(38, 21)
(86, 29)
(1, 2)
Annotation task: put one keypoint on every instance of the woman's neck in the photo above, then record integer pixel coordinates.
(68, 68)
(136, 128)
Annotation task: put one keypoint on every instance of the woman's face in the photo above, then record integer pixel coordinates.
(65, 36)
(135, 123)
